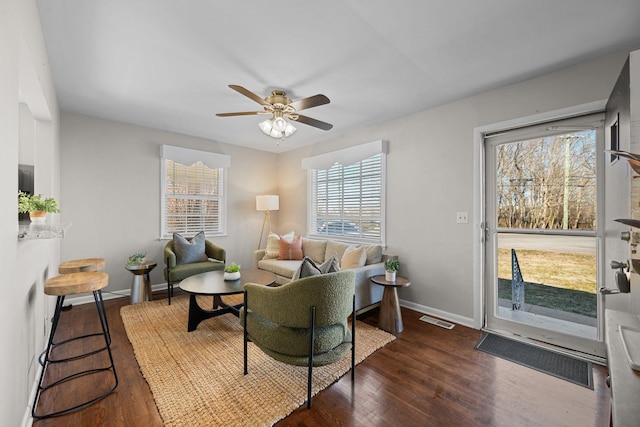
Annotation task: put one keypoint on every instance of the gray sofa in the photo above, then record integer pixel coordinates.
(368, 295)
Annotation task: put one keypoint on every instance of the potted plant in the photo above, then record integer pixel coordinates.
(391, 269)
(137, 259)
(232, 272)
(37, 207)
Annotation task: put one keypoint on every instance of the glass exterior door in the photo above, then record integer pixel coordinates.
(542, 233)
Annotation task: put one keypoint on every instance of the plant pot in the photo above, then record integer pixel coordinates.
(38, 217)
(232, 276)
(390, 276)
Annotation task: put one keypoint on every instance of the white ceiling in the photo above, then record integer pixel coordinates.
(167, 64)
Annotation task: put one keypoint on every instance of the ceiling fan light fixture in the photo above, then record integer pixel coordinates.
(277, 128)
(279, 124)
(282, 108)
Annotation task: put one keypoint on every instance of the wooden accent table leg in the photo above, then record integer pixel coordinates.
(390, 317)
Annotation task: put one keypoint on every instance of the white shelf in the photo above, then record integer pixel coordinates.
(48, 230)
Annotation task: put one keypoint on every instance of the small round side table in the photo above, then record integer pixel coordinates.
(390, 318)
(141, 286)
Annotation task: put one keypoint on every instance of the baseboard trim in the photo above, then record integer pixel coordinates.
(454, 318)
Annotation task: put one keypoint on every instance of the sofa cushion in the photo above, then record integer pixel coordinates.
(353, 257)
(189, 250)
(314, 249)
(335, 248)
(374, 254)
(290, 249)
(284, 268)
(273, 244)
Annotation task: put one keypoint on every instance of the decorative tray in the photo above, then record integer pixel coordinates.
(631, 343)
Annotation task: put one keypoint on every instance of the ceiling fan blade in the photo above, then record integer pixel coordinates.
(249, 94)
(312, 122)
(312, 101)
(242, 113)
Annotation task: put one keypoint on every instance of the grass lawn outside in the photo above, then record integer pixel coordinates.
(562, 281)
(568, 300)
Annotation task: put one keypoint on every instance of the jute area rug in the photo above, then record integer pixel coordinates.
(197, 377)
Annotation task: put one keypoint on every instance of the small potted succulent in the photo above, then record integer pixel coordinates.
(37, 207)
(232, 272)
(137, 259)
(391, 269)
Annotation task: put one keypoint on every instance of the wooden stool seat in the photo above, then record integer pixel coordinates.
(76, 283)
(79, 265)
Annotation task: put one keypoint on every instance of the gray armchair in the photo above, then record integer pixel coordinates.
(303, 322)
(175, 273)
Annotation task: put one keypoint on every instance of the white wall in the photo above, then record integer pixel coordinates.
(430, 177)
(29, 133)
(111, 194)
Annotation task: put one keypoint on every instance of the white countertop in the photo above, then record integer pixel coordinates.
(625, 382)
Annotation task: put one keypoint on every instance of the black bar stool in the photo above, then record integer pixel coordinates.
(61, 286)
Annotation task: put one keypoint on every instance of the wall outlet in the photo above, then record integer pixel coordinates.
(462, 217)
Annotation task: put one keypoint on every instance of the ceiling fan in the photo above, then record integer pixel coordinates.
(281, 107)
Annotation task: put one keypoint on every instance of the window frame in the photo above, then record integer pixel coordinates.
(350, 157)
(189, 158)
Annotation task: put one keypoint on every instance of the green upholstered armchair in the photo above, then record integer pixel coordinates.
(303, 322)
(174, 273)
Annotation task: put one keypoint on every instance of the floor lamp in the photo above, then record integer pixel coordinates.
(266, 203)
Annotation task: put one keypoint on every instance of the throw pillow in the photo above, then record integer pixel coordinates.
(189, 250)
(330, 266)
(290, 249)
(307, 268)
(374, 254)
(353, 258)
(273, 244)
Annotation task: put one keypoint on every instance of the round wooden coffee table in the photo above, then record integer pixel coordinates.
(212, 283)
(390, 318)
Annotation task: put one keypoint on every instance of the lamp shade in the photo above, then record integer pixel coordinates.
(267, 202)
(277, 128)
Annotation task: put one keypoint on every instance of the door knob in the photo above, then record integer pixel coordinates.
(619, 265)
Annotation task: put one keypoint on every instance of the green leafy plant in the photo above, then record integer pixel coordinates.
(35, 203)
(233, 268)
(137, 258)
(391, 265)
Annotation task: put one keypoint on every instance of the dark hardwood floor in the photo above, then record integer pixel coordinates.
(429, 376)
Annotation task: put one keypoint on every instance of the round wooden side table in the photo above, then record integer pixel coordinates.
(390, 318)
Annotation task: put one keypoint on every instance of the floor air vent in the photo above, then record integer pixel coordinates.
(437, 322)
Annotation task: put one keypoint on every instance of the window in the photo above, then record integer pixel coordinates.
(193, 192)
(546, 175)
(346, 198)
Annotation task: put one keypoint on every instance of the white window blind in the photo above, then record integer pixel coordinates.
(348, 201)
(193, 193)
